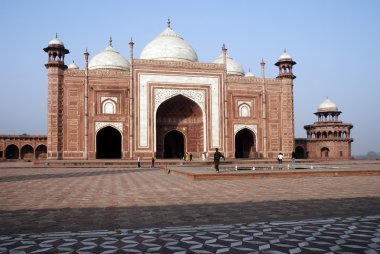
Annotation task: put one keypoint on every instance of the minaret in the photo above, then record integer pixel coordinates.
(285, 66)
(56, 66)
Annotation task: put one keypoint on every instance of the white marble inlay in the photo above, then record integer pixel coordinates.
(116, 125)
(143, 90)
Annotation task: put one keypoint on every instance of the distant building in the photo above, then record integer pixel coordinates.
(328, 137)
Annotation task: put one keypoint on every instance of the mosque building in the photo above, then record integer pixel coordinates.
(165, 103)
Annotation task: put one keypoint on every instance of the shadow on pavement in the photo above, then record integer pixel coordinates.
(76, 219)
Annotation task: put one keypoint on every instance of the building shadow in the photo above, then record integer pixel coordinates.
(77, 219)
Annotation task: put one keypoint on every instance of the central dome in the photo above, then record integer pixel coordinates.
(169, 46)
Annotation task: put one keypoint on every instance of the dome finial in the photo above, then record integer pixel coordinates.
(168, 22)
(110, 41)
(284, 50)
(56, 35)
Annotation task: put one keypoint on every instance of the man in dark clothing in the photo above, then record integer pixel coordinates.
(217, 156)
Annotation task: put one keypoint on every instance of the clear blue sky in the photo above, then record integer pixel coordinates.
(336, 45)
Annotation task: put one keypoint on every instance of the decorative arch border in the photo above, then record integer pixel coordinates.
(117, 125)
(162, 95)
(143, 95)
(251, 127)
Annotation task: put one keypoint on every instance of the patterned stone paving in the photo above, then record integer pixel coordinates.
(333, 235)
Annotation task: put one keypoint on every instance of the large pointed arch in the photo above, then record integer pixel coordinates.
(182, 114)
(108, 143)
(245, 143)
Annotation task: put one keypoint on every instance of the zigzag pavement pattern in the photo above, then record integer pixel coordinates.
(333, 235)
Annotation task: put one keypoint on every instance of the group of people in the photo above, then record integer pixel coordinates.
(280, 157)
(218, 155)
(188, 156)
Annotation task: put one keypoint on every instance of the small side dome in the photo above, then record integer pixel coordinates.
(73, 66)
(249, 74)
(55, 41)
(285, 56)
(169, 46)
(233, 67)
(109, 59)
(327, 106)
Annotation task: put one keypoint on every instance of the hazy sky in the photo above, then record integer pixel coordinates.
(336, 45)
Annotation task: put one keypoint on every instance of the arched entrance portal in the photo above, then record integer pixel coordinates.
(41, 152)
(27, 152)
(300, 152)
(179, 113)
(174, 145)
(108, 143)
(325, 152)
(244, 144)
(12, 152)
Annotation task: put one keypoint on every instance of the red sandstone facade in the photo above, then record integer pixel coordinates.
(167, 106)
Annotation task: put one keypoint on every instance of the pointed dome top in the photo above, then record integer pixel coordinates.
(233, 67)
(327, 106)
(109, 58)
(56, 41)
(169, 46)
(249, 74)
(285, 56)
(73, 66)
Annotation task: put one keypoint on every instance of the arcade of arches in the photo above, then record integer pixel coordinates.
(22, 147)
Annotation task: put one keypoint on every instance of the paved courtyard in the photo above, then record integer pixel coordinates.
(134, 205)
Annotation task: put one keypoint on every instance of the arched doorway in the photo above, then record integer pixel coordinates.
(179, 113)
(300, 152)
(41, 152)
(12, 152)
(174, 144)
(27, 152)
(244, 144)
(108, 143)
(325, 152)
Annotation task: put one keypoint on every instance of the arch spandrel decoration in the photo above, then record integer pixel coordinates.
(117, 125)
(162, 95)
(238, 127)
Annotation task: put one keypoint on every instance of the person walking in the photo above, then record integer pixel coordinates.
(294, 157)
(217, 156)
(138, 161)
(152, 165)
(191, 156)
(280, 156)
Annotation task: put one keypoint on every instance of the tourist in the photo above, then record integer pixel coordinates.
(294, 157)
(138, 161)
(191, 156)
(279, 159)
(152, 165)
(217, 156)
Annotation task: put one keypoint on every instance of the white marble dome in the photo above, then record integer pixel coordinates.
(169, 46)
(327, 106)
(56, 41)
(73, 66)
(249, 74)
(285, 56)
(109, 59)
(233, 67)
